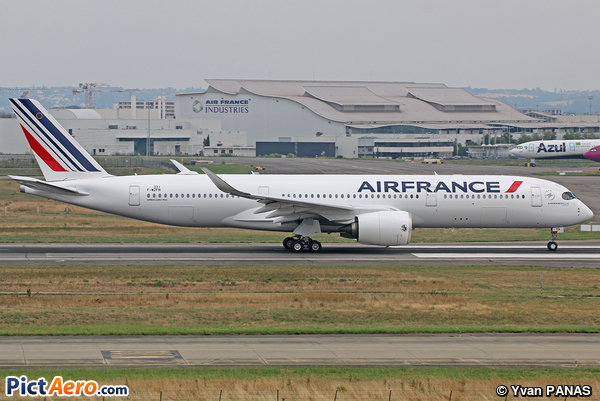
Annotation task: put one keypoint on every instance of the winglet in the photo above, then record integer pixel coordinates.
(182, 169)
(225, 187)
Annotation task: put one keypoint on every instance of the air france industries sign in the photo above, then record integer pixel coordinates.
(223, 106)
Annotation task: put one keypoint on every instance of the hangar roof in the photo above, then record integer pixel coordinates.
(377, 104)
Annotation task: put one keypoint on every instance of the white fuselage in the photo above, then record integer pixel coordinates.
(432, 200)
(555, 149)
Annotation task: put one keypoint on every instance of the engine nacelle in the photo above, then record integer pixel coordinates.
(387, 228)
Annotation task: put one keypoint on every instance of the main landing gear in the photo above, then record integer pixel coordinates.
(552, 245)
(300, 243)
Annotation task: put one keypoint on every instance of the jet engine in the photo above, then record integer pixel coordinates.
(387, 228)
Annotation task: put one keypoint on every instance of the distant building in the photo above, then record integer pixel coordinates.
(405, 148)
(165, 108)
(332, 110)
(499, 151)
(111, 135)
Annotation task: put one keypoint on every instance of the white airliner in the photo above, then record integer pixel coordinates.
(554, 149)
(374, 209)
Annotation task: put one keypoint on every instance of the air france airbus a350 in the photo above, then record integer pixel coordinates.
(375, 209)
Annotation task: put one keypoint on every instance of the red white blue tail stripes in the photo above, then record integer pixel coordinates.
(51, 143)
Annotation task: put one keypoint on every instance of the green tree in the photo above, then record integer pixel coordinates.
(525, 138)
(572, 135)
(206, 141)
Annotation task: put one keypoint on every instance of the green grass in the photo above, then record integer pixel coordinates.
(344, 373)
(179, 300)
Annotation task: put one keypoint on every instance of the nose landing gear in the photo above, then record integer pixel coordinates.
(552, 245)
(300, 243)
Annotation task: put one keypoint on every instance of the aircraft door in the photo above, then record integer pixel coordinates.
(536, 196)
(531, 148)
(431, 199)
(134, 195)
(571, 146)
(263, 190)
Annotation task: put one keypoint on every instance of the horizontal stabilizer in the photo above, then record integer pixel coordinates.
(46, 187)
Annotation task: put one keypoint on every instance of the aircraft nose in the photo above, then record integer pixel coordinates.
(586, 212)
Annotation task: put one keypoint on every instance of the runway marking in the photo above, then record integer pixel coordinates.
(533, 246)
(548, 255)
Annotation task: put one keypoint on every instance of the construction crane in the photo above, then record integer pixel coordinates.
(88, 89)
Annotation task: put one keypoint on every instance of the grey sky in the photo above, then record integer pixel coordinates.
(147, 44)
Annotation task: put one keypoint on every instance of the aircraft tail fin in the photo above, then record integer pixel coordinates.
(59, 156)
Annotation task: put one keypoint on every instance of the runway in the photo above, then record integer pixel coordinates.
(498, 350)
(570, 253)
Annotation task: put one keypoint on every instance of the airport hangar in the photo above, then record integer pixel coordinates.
(349, 118)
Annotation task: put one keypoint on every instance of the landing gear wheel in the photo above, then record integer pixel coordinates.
(287, 243)
(552, 246)
(532, 164)
(297, 246)
(314, 246)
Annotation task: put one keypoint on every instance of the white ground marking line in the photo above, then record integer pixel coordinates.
(532, 246)
(503, 256)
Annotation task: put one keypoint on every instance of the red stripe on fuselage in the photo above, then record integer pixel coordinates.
(43, 153)
(515, 185)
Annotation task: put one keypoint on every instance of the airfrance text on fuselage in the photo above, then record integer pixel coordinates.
(426, 186)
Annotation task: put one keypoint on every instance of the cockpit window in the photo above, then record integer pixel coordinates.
(568, 196)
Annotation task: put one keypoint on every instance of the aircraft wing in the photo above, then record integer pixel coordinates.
(46, 186)
(284, 210)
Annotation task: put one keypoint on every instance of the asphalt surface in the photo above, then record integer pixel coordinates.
(498, 350)
(571, 253)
